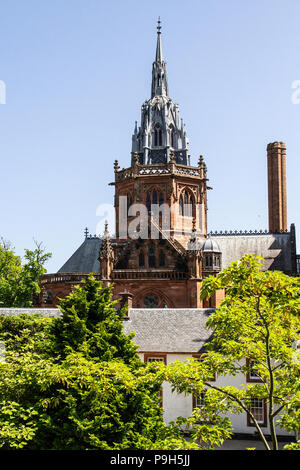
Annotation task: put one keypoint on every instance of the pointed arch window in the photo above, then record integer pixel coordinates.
(157, 136)
(141, 260)
(162, 259)
(151, 256)
(154, 197)
(148, 202)
(172, 137)
(181, 205)
(186, 205)
(129, 202)
(192, 207)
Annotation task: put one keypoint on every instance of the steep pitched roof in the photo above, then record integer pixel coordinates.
(178, 330)
(275, 248)
(85, 258)
(45, 312)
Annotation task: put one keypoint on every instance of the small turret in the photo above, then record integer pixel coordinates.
(106, 255)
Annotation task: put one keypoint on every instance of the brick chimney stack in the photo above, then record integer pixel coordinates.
(126, 300)
(277, 187)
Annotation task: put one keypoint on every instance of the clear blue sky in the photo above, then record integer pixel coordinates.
(77, 73)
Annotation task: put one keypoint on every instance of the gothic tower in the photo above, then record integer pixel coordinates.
(160, 253)
(161, 205)
(160, 171)
(161, 131)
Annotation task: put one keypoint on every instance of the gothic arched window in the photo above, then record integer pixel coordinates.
(129, 202)
(151, 256)
(186, 200)
(172, 137)
(192, 207)
(141, 260)
(157, 136)
(162, 259)
(148, 202)
(181, 205)
(154, 196)
(151, 301)
(186, 205)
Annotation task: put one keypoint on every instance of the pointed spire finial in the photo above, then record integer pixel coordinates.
(159, 54)
(86, 232)
(158, 26)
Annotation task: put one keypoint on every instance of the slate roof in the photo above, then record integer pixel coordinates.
(45, 312)
(274, 247)
(180, 330)
(85, 258)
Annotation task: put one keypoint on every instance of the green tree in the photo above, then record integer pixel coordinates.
(76, 382)
(91, 324)
(19, 283)
(256, 329)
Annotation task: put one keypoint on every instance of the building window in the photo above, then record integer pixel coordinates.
(148, 202)
(149, 357)
(151, 301)
(157, 136)
(162, 260)
(155, 358)
(151, 256)
(186, 205)
(181, 205)
(141, 260)
(208, 261)
(154, 197)
(186, 201)
(258, 409)
(172, 137)
(199, 401)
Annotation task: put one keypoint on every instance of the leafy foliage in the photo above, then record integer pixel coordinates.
(256, 326)
(19, 283)
(91, 324)
(77, 382)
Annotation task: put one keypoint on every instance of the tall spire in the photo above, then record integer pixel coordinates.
(159, 71)
(159, 54)
(160, 134)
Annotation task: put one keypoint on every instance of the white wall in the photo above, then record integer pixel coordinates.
(176, 404)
